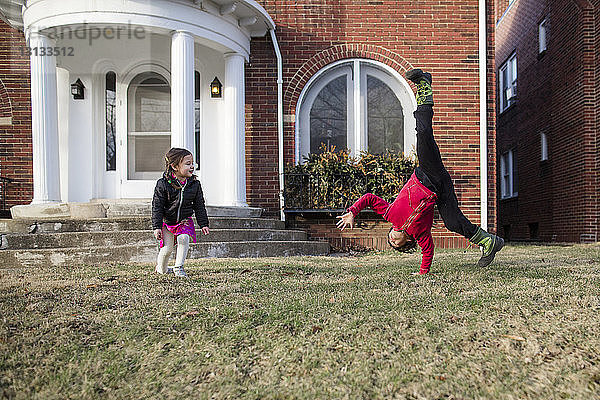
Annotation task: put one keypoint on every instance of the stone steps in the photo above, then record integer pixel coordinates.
(123, 224)
(128, 239)
(138, 237)
(146, 253)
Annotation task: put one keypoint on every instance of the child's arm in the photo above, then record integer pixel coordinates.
(159, 201)
(425, 241)
(200, 211)
(369, 200)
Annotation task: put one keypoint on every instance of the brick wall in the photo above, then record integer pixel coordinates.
(15, 114)
(370, 232)
(557, 94)
(439, 36)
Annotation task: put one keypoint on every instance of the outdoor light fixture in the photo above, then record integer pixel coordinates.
(77, 90)
(216, 89)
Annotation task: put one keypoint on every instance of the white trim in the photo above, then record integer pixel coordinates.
(213, 30)
(409, 123)
(13, 12)
(279, 122)
(357, 102)
(99, 71)
(483, 149)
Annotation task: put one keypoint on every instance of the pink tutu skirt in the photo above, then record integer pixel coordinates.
(184, 227)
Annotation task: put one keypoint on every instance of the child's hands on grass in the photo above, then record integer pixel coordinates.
(346, 219)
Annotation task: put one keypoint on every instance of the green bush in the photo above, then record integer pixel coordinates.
(334, 180)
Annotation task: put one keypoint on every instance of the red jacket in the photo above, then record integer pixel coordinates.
(412, 212)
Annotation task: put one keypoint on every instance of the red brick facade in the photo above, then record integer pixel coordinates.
(370, 232)
(15, 114)
(441, 37)
(557, 94)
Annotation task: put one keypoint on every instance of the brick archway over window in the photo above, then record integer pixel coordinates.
(333, 54)
(5, 106)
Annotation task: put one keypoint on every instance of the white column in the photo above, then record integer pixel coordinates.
(44, 121)
(234, 140)
(182, 91)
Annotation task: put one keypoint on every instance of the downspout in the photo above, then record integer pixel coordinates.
(483, 178)
(279, 119)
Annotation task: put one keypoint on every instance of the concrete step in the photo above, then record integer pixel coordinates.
(103, 208)
(143, 207)
(123, 224)
(138, 237)
(75, 257)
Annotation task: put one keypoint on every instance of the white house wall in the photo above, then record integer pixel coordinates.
(62, 79)
(82, 122)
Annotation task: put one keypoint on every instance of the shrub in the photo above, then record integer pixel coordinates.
(334, 180)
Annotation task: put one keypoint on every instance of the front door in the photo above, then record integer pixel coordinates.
(148, 134)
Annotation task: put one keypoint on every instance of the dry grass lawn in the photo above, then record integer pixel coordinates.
(527, 327)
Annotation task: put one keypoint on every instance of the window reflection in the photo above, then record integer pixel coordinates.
(385, 119)
(328, 117)
(111, 121)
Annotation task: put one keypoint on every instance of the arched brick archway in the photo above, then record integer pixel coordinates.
(333, 54)
(5, 106)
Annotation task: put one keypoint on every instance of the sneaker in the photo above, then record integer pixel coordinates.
(169, 271)
(180, 272)
(489, 244)
(423, 82)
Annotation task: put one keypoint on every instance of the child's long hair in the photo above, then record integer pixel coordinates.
(407, 247)
(174, 156)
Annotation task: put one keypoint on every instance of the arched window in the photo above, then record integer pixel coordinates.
(357, 105)
(111, 120)
(149, 125)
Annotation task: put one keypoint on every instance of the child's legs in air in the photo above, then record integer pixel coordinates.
(453, 218)
(183, 245)
(165, 251)
(428, 153)
(430, 162)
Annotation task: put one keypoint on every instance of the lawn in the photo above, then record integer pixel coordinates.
(360, 327)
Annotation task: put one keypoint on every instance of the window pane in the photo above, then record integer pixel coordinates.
(385, 119)
(153, 106)
(513, 64)
(328, 117)
(197, 112)
(148, 150)
(111, 121)
(515, 174)
(542, 36)
(544, 145)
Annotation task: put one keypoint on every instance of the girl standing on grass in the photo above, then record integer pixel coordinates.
(412, 212)
(177, 196)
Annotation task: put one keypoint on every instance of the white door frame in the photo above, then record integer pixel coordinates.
(129, 188)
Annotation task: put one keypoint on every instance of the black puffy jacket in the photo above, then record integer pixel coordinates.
(167, 204)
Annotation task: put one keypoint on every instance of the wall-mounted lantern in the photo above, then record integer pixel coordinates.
(77, 89)
(216, 89)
